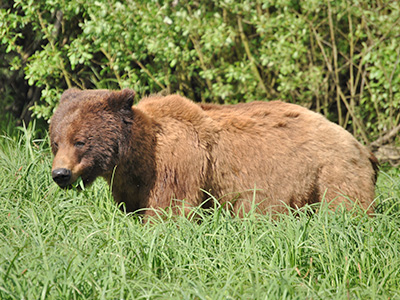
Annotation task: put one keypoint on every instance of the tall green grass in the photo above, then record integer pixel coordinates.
(57, 244)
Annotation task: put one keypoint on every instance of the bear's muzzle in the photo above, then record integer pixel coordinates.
(62, 176)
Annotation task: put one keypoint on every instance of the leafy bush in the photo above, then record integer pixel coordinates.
(340, 58)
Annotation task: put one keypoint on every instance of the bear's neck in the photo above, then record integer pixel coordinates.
(135, 173)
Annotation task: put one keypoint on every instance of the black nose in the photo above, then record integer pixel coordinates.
(61, 176)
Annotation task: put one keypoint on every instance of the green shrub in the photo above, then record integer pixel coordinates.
(340, 58)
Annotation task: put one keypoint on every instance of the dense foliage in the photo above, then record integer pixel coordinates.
(338, 57)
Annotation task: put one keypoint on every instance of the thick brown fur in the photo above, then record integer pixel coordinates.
(167, 149)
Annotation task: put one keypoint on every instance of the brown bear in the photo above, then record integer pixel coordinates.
(165, 150)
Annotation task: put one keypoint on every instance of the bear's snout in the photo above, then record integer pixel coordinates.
(62, 176)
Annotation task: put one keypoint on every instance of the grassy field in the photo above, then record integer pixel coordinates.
(57, 244)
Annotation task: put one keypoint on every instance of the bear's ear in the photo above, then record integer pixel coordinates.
(121, 101)
(70, 93)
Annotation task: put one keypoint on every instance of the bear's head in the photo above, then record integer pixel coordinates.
(88, 132)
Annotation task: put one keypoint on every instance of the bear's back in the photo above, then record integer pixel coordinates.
(265, 117)
(172, 107)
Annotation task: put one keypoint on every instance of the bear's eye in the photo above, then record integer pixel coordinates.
(55, 146)
(79, 144)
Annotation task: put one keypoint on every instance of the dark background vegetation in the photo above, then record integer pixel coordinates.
(340, 58)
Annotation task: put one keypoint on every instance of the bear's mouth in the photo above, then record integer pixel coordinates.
(82, 182)
(63, 180)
